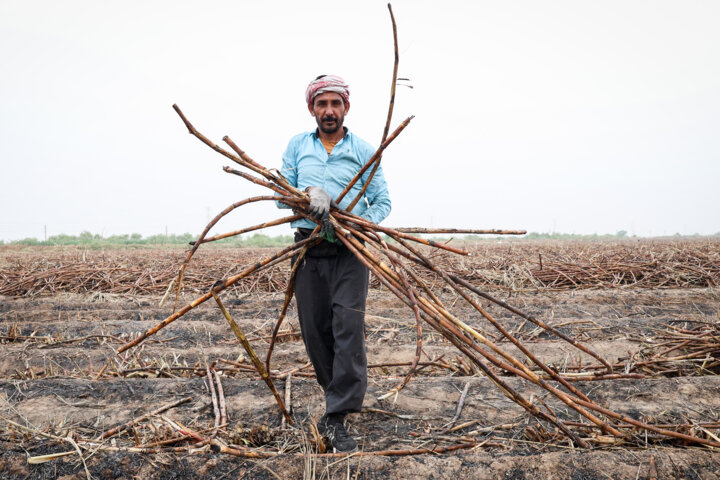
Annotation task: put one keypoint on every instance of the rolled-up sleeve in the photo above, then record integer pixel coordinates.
(377, 196)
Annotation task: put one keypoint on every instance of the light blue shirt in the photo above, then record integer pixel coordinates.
(306, 163)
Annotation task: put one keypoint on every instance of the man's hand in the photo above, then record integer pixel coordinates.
(319, 202)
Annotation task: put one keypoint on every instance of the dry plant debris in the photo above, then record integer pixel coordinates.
(512, 266)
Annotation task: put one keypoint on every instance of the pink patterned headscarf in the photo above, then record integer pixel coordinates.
(327, 83)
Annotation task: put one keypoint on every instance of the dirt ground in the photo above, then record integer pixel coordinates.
(52, 347)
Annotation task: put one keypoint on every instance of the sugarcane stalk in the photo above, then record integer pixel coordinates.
(346, 216)
(391, 106)
(257, 181)
(213, 395)
(275, 177)
(459, 230)
(647, 426)
(284, 254)
(212, 223)
(372, 159)
(257, 167)
(532, 319)
(255, 360)
(289, 290)
(393, 85)
(125, 426)
(421, 260)
(221, 398)
(243, 159)
(418, 322)
(259, 226)
(532, 376)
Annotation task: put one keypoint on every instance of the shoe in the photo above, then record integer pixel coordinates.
(333, 427)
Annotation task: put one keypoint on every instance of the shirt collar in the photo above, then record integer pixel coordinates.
(347, 132)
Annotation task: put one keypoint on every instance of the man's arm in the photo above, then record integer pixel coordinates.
(289, 168)
(378, 198)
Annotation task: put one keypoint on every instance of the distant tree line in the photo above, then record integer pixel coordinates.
(88, 239)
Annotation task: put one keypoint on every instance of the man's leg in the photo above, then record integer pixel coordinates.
(349, 287)
(312, 294)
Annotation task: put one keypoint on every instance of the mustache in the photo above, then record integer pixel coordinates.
(329, 119)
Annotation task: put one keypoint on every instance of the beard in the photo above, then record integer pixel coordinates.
(330, 124)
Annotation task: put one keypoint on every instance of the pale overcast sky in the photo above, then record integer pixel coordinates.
(568, 116)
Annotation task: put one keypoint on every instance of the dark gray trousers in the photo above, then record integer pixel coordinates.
(331, 288)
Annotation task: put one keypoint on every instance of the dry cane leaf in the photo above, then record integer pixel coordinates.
(49, 458)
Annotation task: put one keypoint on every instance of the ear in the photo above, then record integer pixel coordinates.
(310, 108)
(347, 107)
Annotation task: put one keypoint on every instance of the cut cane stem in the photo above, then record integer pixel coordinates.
(279, 179)
(257, 181)
(259, 226)
(212, 223)
(532, 319)
(284, 254)
(459, 230)
(372, 159)
(255, 360)
(289, 290)
(340, 214)
(418, 320)
(243, 159)
(391, 106)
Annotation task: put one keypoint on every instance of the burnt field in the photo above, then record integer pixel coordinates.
(650, 308)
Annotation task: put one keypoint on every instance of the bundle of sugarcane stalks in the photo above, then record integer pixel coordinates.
(393, 257)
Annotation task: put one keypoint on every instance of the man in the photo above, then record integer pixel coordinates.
(331, 283)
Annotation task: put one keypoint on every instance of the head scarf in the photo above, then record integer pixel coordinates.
(327, 83)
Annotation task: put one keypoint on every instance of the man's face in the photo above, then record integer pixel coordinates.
(329, 111)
